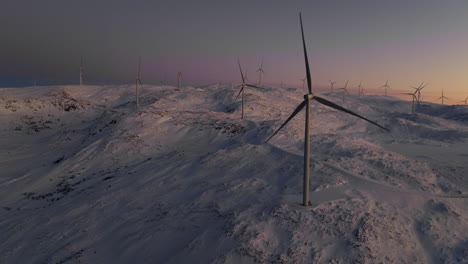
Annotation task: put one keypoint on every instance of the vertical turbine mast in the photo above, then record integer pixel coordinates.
(179, 78)
(385, 86)
(414, 97)
(307, 98)
(418, 91)
(359, 89)
(260, 72)
(303, 83)
(332, 83)
(81, 71)
(345, 91)
(138, 80)
(442, 97)
(242, 89)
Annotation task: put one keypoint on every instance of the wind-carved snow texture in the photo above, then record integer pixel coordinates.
(86, 178)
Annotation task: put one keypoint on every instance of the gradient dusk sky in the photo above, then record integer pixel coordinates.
(403, 41)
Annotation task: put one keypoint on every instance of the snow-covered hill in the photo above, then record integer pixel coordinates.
(85, 177)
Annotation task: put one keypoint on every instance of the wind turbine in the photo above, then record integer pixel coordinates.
(260, 72)
(360, 89)
(442, 97)
(385, 86)
(344, 90)
(81, 71)
(179, 78)
(242, 89)
(164, 81)
(465, 101)
(331, 85)
(306, 103)
(303, 83)
(418, 90)
(138, 80)
(413, 95)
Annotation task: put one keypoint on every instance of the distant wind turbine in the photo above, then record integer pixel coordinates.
(465, 101)
(332, 83)
(164, 81)
(442, 97)
(360, 89)
(385, 86)
(303, 83)
(242, 89)
(179, 78)
(138, 80)
(414, 97)
(344, 90)
(306, 103)
(260, 72)
(81, 71)
(418, 91)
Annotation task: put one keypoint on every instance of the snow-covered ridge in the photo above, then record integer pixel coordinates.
(87, 178)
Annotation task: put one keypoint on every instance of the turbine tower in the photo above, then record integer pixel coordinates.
(442, 97)
(138, 80)
(242, 89)
(360, 89)
(81, 71)
(331, 85)
(414, 97)
(260, 72)
(164, 81)
(418, 91)
(303, 83)
(385, 86)
(179, 78)
(306, 103)
(345, 91)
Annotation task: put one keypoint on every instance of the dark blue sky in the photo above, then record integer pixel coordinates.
(405, 42)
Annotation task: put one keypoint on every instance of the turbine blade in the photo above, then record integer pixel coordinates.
(240, 69)
(297, 110)
(240, 91)
(140, 82)
(337, 107)
(309, 79)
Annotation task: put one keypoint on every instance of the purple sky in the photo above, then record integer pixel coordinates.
(406, 42)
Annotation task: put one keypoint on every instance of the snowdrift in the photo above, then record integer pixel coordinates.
(87, 178)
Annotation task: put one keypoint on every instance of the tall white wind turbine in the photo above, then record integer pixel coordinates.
(306, 103)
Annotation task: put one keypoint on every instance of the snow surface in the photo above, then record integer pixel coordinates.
(87, 178)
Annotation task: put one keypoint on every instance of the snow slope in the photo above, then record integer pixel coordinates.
(87, 178)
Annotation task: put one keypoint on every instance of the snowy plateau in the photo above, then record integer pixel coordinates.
(85, 177)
